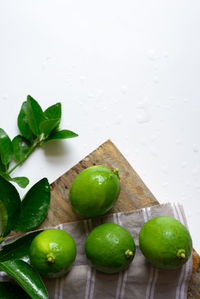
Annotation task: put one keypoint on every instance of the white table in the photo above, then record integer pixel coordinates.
(124, 70)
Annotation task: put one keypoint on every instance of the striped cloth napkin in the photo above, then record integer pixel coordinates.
(140, 280)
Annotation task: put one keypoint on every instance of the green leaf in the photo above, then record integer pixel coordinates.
(10, 290)
(63, 134)
(10, 205)
(35, 115)
(48, 125)
(6, 150)
(21, 147)
(2, 166)
(34, 206)
(5, 176)
(23, 125)
(22, 181)
(18, 249)
(53, 112)
(26, 276)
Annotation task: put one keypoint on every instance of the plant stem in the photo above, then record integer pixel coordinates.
(22, 161)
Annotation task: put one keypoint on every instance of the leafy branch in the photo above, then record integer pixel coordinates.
(36, 128)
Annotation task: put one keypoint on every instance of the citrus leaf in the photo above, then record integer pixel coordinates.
(35, 115)
(22, 122)
(26, 276)
(18, 249)
(48, 125)
(5, 176)
(10, 205)
(53, 112)
(10, 290)
(6, 150)
(63, 134)
(21, 147)
(2, 166)
(22, 181)
(34, 206)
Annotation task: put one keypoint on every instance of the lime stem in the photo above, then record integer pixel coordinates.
(128, 253)
(116, 171)
(25, 157)
(51, 258)
(2, 239)
(181, 254)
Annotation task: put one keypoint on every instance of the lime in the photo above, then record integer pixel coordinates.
(165, 242)
(52, 252)
(94, 191)
(110, 248)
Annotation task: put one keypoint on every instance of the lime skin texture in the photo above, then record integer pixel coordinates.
(110, 248)
(94, 191)
(165, 242)
(52, 252)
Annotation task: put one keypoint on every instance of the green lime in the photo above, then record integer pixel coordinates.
(94, 191)
(165, 242)
(110, 248)
(52, 252)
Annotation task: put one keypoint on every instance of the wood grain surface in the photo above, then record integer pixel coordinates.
(134, 195)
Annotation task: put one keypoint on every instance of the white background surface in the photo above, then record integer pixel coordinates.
(124, 70)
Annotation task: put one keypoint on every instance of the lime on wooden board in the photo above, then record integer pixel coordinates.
(94, 191)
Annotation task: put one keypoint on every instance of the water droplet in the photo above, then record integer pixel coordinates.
(153, 151)
(168, 107)
(154, 137)
(124, 89)
(143, 142)
(4, 97)
(115, 101)
(143, 115)
(44, 66)
(155, 67)
(46, 188)
(183, 164)
(165, 184)
(178, 141)
(156, 80)
(195, 148)
(80, 102)
(165, 54)
(118, 120)
(152, 55)
(198, 187)
(91, 96)
(164, 169)
(48, 58)
(104, 108)
(82, 79)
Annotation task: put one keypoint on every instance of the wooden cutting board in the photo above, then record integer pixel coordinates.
(134, 195)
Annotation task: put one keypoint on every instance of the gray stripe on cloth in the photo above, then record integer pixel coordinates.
(93, 272)
(153, 271)
(183, 269)
(58, 291)
(122, 275)
(187, 267)
(89, 271)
